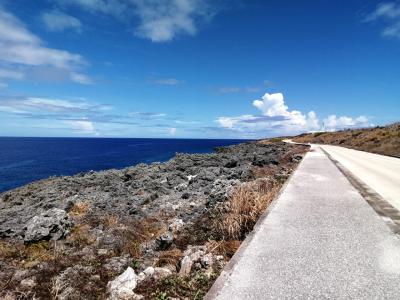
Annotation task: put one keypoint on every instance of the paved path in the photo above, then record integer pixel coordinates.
(381, 173)
(321, 240)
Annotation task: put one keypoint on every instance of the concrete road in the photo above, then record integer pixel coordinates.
(320, 240)
(381, 173)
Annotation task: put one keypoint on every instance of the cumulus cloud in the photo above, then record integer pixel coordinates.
(82, 126)
(332, 122)
(58, 21)
(21, 48)
(389, 13)
(277, 119)
(159, 21)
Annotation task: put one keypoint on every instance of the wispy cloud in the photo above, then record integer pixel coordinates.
(20, 48)
(389, 13)
(163, 20)
(47, 105)
(167, 81)
(247, 89)
(276, 118)
(146, 115)
(82, 116)
(229, 89)
(58, 21)
(11, 74)
(159, 21)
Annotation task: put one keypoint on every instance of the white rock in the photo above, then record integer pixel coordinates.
(161, 273)
(28, 283)
(190, 177)
(149, 271)
(102, 252)
(175, 225)
(121, 288)
(141, 276)
(186, 266)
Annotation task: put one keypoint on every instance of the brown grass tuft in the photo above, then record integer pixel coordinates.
(80, 236)
(79, 209)
(171, 257)
(225, 248)
(243, 210)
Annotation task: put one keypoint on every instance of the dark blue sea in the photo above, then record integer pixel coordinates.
(23, 160)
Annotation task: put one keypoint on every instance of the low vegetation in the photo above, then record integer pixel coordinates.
(381, 140)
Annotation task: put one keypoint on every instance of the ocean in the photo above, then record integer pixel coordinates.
(23, 160)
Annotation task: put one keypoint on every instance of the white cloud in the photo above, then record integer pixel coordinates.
(159, 21)
(116, 8)
(81, 78)
(172, 131)
(82, 126)
(162, 20)
(388, 12)
(47, 105)
(146, 115)
(277, 119)
(167, 81)
(58, 21)
(21, 48)
(11, 74)
(333, 123)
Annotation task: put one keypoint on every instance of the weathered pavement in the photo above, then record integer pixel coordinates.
(321, 240)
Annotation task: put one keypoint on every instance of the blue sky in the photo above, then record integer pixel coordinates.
(196, 68)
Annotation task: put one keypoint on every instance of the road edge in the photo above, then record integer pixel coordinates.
(389, 214)
(230, 266)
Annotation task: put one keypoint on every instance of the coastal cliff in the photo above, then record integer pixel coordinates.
(148, 231)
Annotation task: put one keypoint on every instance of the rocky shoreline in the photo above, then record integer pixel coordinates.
(157, 231)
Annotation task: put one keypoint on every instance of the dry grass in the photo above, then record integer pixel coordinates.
(382, 140)
(243, 209)
(80, 236)
(225, 248)
(8, 250)
(171, 257)
(79, 210)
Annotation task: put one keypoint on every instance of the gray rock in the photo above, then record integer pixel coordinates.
(53, 224)
(117, 264)
(164, 241)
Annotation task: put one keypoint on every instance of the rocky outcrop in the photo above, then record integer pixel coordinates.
(52, 224)
(182, 186)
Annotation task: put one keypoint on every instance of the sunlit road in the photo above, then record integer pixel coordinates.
(320, 240)
(381, 173)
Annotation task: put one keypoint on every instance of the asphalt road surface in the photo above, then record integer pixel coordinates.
(381, 173)
(320, 240)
